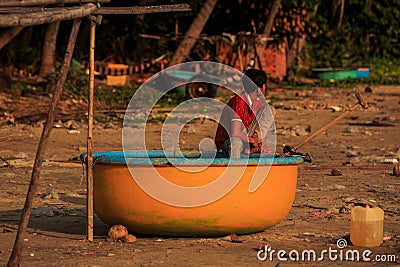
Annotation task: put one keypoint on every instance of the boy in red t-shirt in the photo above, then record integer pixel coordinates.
(236, 130)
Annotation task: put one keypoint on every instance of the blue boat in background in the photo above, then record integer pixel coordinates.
(341, 73)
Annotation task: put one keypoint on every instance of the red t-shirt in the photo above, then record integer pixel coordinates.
(238, 108)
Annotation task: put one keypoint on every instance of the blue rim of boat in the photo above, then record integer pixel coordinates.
(161, 158)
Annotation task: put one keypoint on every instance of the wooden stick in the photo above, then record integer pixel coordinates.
(8, 164)
(47, 16)
(325, 127)
(89, 162)
(14, 3)
(16, 252)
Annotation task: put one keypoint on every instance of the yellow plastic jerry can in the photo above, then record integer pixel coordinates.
(366, 227)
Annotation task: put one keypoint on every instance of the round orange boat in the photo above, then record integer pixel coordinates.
(250, 205)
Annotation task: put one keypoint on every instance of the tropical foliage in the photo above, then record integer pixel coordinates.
(336, 33)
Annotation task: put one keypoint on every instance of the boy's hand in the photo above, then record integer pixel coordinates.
(264, 149)
(253, 141)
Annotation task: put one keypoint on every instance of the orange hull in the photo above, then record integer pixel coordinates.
(118, 199)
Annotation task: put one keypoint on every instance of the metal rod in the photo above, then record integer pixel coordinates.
(16, 252)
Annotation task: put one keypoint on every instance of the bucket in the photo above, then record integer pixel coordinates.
(366, 227)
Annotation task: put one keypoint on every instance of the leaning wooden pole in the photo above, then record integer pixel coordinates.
(8, 35)
(16, 253)
(89, 162)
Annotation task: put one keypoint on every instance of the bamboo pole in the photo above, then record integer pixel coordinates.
(47, 16)
(134, 10)
(13, 3)
(89, 162)
(16, 252)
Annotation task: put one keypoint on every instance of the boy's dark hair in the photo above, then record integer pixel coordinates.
(253, 76)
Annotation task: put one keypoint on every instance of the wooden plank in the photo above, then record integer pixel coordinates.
(48, 16)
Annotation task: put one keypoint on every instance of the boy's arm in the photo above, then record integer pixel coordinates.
(236, 131)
